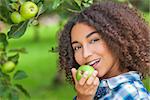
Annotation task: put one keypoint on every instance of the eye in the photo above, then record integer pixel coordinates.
(94, 40)
(76, 48)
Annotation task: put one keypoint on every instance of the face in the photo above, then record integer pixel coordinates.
(89, 48)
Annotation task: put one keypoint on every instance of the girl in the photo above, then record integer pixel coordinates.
(114, 39)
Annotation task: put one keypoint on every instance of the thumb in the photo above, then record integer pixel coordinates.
(74, 71)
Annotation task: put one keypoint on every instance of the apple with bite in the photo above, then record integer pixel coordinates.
(82, 69)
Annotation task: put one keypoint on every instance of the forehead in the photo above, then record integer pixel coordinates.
(81, 30)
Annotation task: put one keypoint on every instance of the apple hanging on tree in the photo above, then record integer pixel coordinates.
(16, 17)
(83, 69)
(28, 10)
(8, 67)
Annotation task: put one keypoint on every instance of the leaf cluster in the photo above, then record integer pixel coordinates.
(9, 89)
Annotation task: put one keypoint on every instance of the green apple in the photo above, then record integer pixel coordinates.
(83, 69)
(8, 67)
(16, 17)
(28, 10)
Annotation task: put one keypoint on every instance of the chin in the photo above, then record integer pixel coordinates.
(100, 75)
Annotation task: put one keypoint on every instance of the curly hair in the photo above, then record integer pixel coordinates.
(122, 28)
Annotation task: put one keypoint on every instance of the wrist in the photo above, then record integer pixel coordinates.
(84, 98)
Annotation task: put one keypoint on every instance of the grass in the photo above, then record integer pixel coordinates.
(40, 65)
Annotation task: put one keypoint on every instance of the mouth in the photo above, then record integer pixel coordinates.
(94, 62)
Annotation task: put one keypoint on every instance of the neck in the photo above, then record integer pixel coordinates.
(115, 71)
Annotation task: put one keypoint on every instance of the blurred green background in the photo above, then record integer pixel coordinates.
(41, 65)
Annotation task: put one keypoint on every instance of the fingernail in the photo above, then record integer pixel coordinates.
(85, 74)
(95, 73)
(73, 69)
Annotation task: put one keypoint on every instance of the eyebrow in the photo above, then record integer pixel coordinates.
(91, 34)
(87, 36)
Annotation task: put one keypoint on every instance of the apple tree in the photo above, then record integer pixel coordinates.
(19, 14)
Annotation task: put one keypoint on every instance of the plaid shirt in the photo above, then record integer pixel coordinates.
(127, 86)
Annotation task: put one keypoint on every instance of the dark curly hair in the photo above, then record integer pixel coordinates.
(122, 28)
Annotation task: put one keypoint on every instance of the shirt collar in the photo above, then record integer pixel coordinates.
(117, 80)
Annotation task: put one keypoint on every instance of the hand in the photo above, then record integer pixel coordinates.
(86, 88)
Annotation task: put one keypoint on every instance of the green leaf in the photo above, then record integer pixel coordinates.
(22, 89)
(37, 1)
(18, 30)
(14, 58)
(6, 4)
(2, 89)
(3, 39)
(14, 95)
(15, 6)
(19, 75)
(73, 11)
(42, 8)
(72, 5)
(5, 14)
(86, 0)
(85, 4)
(21, 1)
(78, 2)
(13, 0)
(57, 3)
(90, 2)
(1, 74)
(3, 56)
(20, 50)
(4, 79)
(35, 22)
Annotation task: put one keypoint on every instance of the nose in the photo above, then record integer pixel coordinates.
(86, 51)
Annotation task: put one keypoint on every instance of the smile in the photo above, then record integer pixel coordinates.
(94, 62)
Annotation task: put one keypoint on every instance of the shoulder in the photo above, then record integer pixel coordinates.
(132, 90)
(128, 86)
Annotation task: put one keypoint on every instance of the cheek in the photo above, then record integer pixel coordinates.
(101, 48)
(78, 59)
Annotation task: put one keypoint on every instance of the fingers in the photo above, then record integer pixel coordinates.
(86, 86)
(83, 79)
(92, 78)
(74, 71)
(96, 81)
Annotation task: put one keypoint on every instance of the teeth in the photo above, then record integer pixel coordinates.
(93, 62)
